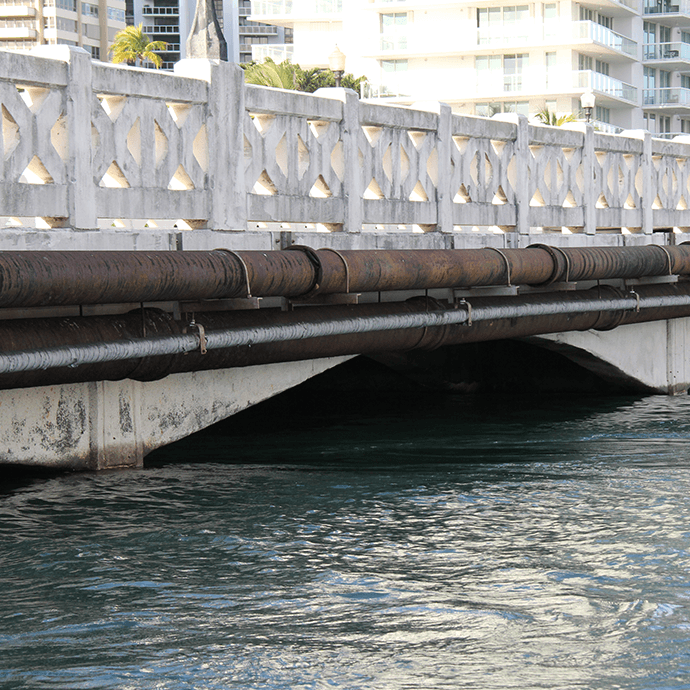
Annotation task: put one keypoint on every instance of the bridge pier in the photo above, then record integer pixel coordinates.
(115, 424)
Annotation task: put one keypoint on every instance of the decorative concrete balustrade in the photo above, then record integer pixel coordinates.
(84, 141)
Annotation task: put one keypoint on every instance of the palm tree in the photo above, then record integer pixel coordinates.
(268, 73)
(546, 117)
(132, 44)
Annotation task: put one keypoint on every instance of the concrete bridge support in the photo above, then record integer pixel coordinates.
(114, 424)
(651, 356)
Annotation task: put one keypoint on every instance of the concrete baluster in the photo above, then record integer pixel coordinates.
(225, 131)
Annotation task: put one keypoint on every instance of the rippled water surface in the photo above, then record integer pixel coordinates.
(463, 544)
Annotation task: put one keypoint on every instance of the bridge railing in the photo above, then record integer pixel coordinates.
(84, 142)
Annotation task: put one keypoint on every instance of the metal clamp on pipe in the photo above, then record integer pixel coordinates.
(316, 262)
(201, 331)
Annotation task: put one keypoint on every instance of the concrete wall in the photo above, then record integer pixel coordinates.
(202, 149)
(111, 424)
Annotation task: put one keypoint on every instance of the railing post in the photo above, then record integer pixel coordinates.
(589, 193)
(522, 195)
(81, 191)
(352, 176)
(648, 195)
(444, 194)
(225, 136)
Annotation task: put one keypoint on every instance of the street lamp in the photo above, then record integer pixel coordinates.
(587, 100)
(336, 62)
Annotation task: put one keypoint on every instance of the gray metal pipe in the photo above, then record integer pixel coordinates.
(463, 313)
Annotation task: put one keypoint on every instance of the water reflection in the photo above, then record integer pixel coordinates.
(471, 544)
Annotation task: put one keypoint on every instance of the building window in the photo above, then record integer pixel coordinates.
(589, 64)
(602, 114)
(116, 15)
(664, 125)
(513, 67)
(502, 23)
(685, 81)
(393, 28)
(95, 52)
(66, 24)
(550, 64)
(587, 15)
(491, 109)
(89, 10)
(685, 126)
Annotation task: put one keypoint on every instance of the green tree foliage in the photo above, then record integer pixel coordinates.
(132, 45)
(546, 117)
(285, 75)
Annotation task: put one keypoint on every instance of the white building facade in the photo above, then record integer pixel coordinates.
(92, 25)
(486, 56)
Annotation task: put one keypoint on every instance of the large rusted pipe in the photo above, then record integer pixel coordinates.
(31, 279)
(253, 334)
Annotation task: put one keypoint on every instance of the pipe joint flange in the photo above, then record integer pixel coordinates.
(561, 263)
(243, 266)
(607, 321)
(432, 337)
(313, 257)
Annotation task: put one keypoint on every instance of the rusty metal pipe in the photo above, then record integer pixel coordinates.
(31, 279)
(239, 339)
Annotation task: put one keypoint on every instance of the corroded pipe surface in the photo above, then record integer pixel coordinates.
(31, 279)
(255, 336)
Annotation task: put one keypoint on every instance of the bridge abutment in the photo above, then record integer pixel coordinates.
(115, 424)
(649, 356)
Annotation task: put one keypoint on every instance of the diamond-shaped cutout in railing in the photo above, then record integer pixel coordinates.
(319, 127)
(463, 196)
(682, 205)
(200, 148)
(180, 181)
(134, 141)
(500, 197)
(461, 143)
(373, 191)
(10, 133)
(36, 173)
(630, 202)
(372, 134)
(33, 96)
(160, 143)
(58, 137)
(417, 138)
(569, 201)
(418, 193)
(657, 204)
(302, 157)
(537, 199)
(113, 105)
(114, 178)
(264, 185)
(320, 190)
(179, 112)
(282, 155)
(262, 122)
(338, 160)
(432, 167)
(602, 202)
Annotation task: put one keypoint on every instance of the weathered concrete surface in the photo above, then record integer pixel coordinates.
(652, 356)
(110, 424)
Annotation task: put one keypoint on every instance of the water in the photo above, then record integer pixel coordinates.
(461, 543)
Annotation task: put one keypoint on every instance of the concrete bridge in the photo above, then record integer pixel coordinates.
(169, 168)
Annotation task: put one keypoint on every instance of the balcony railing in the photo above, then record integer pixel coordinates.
(160, 11)
(678, 7)
(296, 7)
(667, 97)
(277, 52)
(667, 51)
(602, 83)
(162, 29)
(604, 36)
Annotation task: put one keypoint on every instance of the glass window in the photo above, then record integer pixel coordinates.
(602, 114)
(550, 11)
(685, 81)
(513, 67)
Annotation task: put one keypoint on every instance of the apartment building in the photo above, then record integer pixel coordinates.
(486, 56)
(92, 25)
